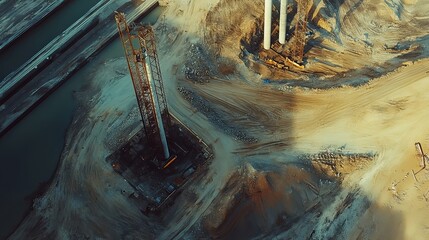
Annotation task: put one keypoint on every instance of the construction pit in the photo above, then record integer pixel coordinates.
(325, 150)
(156, 186)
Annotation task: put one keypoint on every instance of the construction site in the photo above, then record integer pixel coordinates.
(223, 119)
(161, 158)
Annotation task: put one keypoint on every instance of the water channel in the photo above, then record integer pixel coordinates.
(29, 153)
(36, 38)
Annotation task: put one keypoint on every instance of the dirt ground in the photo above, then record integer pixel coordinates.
(322, 157)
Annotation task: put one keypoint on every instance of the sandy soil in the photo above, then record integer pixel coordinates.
(270, 187)
(349, 42)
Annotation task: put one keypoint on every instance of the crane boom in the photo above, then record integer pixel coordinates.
(140, 51)
(297, 51)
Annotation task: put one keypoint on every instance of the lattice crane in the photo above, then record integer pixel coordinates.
(297, 50)
(140, 51)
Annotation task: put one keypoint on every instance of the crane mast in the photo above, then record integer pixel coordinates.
(142, 59)
(297, 51)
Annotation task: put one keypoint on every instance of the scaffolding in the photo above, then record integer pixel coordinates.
(297, 50)
(142, 59)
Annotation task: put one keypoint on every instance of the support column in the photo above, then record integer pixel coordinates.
(283, 20)
(267, 23)
(157, 110)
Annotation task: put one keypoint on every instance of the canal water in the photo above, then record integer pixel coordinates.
(36, 38)
(30, 152)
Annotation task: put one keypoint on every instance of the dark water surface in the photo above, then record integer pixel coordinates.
(29, 153)
(36, 38)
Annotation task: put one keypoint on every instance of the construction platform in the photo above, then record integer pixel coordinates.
(157, 187)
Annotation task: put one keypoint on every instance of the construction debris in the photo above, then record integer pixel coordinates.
(295, 51)
(424, 158)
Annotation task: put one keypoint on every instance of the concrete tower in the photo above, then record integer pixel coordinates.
(267, 23)
(283, 19)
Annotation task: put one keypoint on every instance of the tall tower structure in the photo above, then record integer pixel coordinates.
(282, 21)
(297, 51)
(142, 59)
(267, 23)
